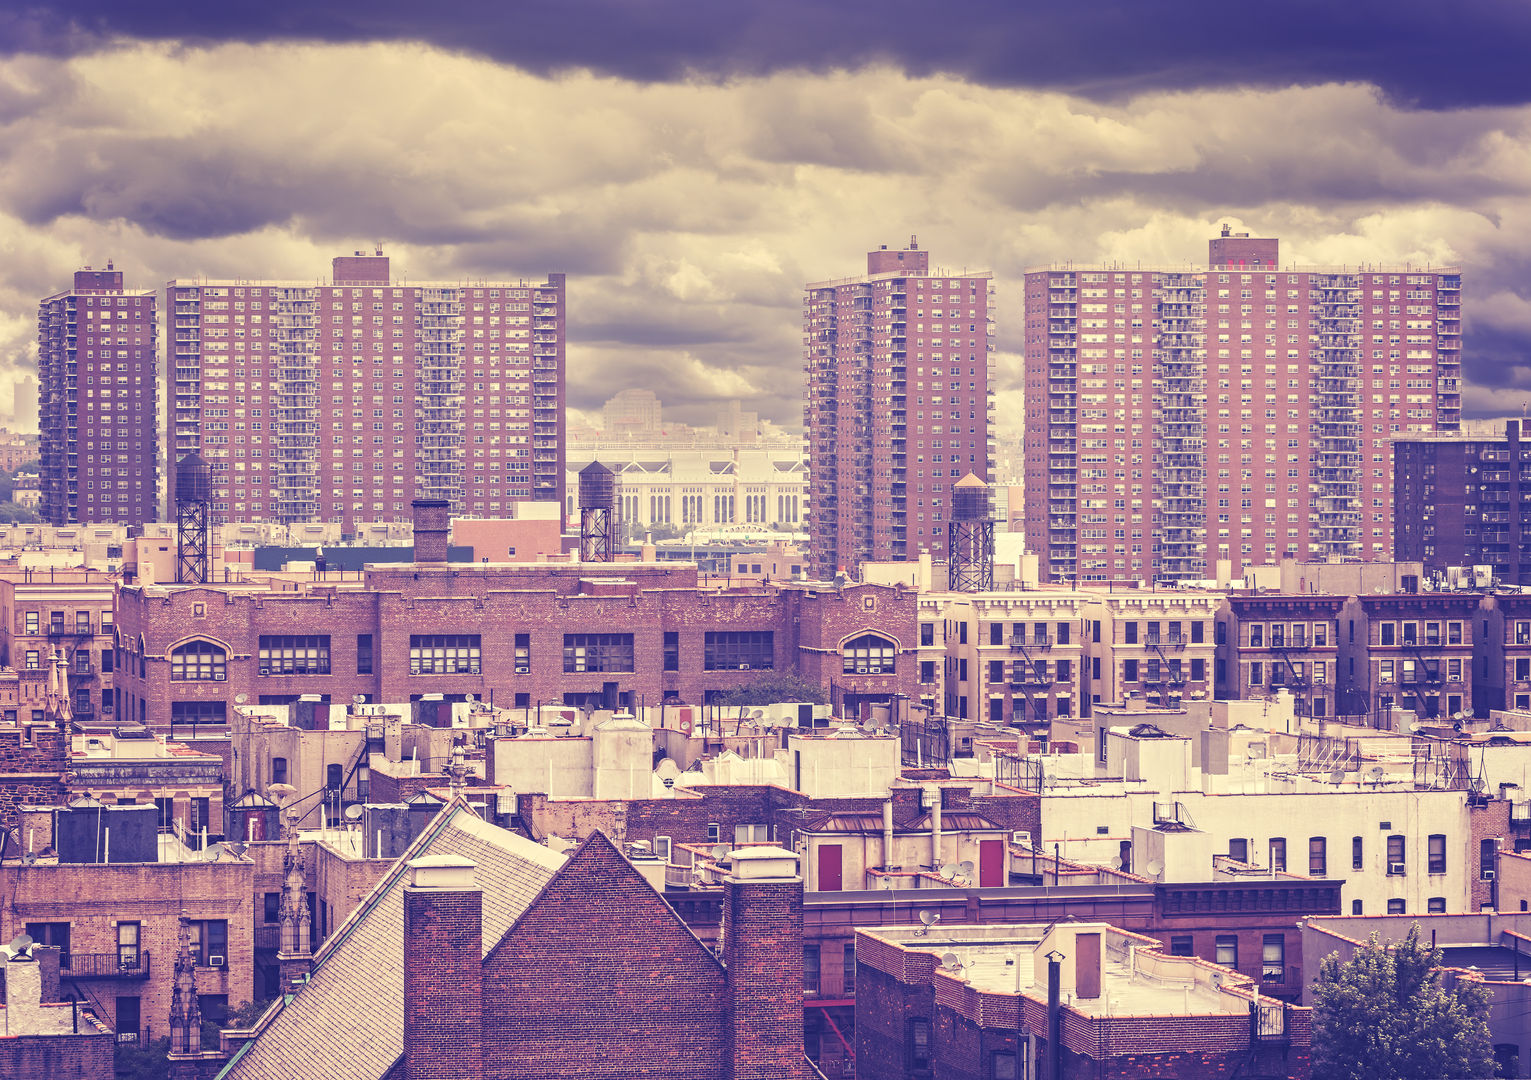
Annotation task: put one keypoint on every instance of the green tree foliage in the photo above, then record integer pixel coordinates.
(142, 1060)
(776, 686)
(1388, 1014)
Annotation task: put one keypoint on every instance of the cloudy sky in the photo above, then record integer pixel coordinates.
(691, 164)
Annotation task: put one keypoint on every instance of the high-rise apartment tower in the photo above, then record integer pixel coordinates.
(345, 401)
(97, 363)
(1180, 422)
(897, 406)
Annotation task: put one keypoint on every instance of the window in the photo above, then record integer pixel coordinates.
(1488, 855)
(672, 650)
(1395, 854)
(1180, 945)
(1395, 907)
(1388, 634)
(741, 650)
(31, 659)
(198, 661)
(127, 945)
(31, 622)
(598, 652)
(55, 934)
(869, 654)
(1063, 633)
(1238, 849)
(196, 712)
(523, 654)
(1273, 958)
(334, 776)
(364, 654)
(1357, 853)
(848, 970)
(919, 1044)
(279, 770)
(1228, 950)
(927, 633)
(1436, 853)
(810, 969)
(1278, 853)
(1436, 905)
(1318, 860)
(1002, 1064)
(1130, 633)
(210, 942)
(1256, 674)
(1198, 632)
(444, 654)
(1129, 671)
(294, 654)
(1356, 908)
(129, 1016)
(272, 907)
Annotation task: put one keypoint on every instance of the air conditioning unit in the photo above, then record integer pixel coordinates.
(1022, 837)
(1395, 868)
(1488, 875)
(215, 961)
(265, 671)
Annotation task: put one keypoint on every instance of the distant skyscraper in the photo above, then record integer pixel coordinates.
(1180, 418)
(97, 414)
(631, 414)
(897, 406)
(343, 402)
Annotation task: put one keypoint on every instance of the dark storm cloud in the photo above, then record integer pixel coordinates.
(1430, 54)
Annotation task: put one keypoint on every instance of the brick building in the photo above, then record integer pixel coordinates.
(613, 635)
(44, 1035)
(950, 1002)
(898, 370)
(43, 611)
(1502, 648)
(34, 755)
(98, 362)
(1181, 418)
(1268, 642)
(1412, 650)
(481, 954)
(373, 391)
(1151, 645)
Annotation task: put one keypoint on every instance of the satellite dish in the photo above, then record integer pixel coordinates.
(1154, 868)
(951, 961)
(1416, 726)
(358, 699)
(948, 870)
(720, 851)
(241, 697)
(965, 869)
(468, 698)
(1377, 772)
(353, 812)
(21, 943)
(1116, 862)
(1459, 715)
(1337, 776)
(929, 918)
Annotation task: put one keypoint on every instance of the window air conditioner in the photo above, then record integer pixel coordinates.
(1488, 875)
(1395, 868)
(215, 961)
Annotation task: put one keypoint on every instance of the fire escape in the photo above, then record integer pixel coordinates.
(1163, 671)
(1030, 675)
(1423, 678)
(1284, 642)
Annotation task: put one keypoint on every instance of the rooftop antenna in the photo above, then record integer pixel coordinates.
(927, 920)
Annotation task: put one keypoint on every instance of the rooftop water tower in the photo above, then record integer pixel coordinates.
(193, 495)
(970, 538)
(597, 513)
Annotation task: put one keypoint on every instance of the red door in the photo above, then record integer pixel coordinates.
(829, 868)
(991, 864)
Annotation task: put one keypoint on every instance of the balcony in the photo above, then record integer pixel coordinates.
(113, 965)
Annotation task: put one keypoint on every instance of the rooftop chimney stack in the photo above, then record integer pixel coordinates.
(443, 970)
(433, 522)
(762, 936)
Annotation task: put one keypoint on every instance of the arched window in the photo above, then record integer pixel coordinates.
(198, 661)
(869, 654)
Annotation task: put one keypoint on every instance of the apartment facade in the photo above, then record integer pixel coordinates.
(97, 360)
(1412, 650)
(1013, 658)
(897, 406)
(1463, 499)
(1154, 645)
(343, 401)
(45, 611)
(1179, 420)
(1268, 643)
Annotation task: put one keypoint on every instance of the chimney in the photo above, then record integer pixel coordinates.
(433, 520)
(763, 952)
(1086, 966)
(443, 970)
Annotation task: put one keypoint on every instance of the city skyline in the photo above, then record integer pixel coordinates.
(688, 209)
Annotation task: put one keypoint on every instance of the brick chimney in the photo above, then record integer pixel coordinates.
(763, 952)
(443, 970)
(433, 521)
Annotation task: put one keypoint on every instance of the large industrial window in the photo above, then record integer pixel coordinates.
(196, 712)
(745, 650)
(869, 655)
(598, 652)
(294, 654)
(445, 654)
(198, 661)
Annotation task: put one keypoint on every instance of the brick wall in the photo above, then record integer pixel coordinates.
(31, 773)
(763, 949)
(443, 970)
(1490, 820)
(73, 1057)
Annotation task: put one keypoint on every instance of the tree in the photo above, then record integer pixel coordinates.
(1387, 1014)
(775, 686)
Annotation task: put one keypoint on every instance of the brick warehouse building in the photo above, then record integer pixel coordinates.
(1180, 417)
(342, 401)
(618, 634)
(897, 374)
(97, 362)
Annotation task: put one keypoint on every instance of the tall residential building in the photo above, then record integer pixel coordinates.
(1463, 499)
(343, 402)
(897, 408)
(1180, 421)
(97, 360)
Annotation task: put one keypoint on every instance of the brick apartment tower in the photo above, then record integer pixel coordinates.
(342, 402)
(443, 971)
(97, 364)
(1181, 419)
(762, 923)
(897, 407)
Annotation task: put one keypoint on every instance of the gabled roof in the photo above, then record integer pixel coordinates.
(347, 1021)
